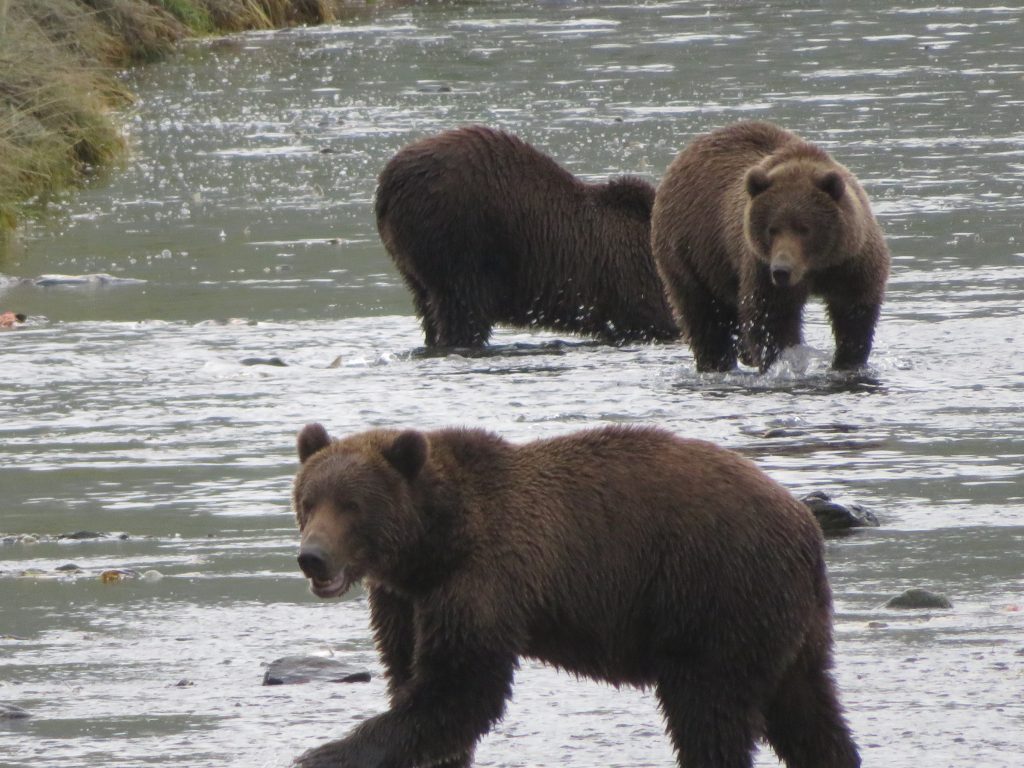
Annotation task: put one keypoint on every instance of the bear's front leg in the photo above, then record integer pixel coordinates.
(391, 617)
(337, 753)
(771, 318)
(853, 326)
(454, 696)
(334, 754)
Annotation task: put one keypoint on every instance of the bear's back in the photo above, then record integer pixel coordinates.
(640, 495)
(627, 527)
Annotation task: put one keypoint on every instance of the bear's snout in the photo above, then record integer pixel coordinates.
(786, 264)
(781, 276)
(315, 562)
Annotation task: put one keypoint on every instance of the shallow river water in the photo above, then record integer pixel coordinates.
(241, 228)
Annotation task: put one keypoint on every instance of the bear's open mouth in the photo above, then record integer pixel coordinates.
(337, 586)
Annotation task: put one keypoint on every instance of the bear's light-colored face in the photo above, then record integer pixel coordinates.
(794, 221)
(331, 513)
(354, 510)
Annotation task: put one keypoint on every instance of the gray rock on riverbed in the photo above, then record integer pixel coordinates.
(290, 670)
(835, 518)
(919, 599)
(13, 712)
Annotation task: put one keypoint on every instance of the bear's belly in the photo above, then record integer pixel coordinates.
(599, 654)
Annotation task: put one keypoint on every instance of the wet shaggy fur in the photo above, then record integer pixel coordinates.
(748, 222)
(485, 229)
(622, 554)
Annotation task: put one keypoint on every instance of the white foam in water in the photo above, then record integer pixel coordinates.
(84, 281)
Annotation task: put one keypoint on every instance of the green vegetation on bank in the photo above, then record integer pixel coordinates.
(58, 84)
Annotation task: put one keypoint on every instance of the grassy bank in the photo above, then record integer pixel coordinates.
(58, 85)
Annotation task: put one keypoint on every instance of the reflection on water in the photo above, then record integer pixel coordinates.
(242, 231)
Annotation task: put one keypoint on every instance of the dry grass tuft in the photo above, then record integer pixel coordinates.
(58, 85)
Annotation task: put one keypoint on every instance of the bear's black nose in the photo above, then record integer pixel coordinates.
(780, 276)
(314, 562)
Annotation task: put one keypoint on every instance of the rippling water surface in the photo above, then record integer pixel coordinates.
(241, 230)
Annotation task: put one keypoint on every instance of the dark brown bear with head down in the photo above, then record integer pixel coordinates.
(748, 222)
(485, 229)
(623, 554)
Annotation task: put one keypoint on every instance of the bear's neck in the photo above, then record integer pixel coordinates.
(439, 550)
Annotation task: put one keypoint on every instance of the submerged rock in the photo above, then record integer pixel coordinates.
(919, 599)
(81, 535)
(275, 362)
(835, 518)
(290, 670)
(13, 712)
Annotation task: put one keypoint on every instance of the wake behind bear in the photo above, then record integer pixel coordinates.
(485, 229)
(623, 554)
(748, 222)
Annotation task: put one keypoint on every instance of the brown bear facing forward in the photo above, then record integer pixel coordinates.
(623, 554)
(485, 229)
(748, 222)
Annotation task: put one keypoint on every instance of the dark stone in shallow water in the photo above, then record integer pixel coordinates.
(290, 670)
(275, 362)
(79, 535)
(835, 518)
(918, 599)
(13, 712)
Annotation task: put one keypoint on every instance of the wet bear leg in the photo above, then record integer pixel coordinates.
(459, 324)
(771, 318)
(455, 695)
(710, 326)
(804, 721)
(711, 725)
(422, 304)
(853, 326)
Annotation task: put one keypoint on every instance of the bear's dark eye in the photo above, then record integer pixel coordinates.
(773, 231)
(801, 230)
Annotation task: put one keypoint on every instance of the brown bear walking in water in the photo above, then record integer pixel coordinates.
(485, 229)
(623, 554)
(750, 220)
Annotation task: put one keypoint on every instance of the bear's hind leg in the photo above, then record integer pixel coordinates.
(423, 306)
(804, 721)
(460, 325)
(711, 725)
(461, 311)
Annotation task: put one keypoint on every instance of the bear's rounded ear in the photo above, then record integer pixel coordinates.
(408, 453)
(311, 439)
(757, 181)
(832, 184)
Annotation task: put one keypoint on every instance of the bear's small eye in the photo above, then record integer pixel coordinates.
(350, 507)
(773, 231)
(801, 230)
